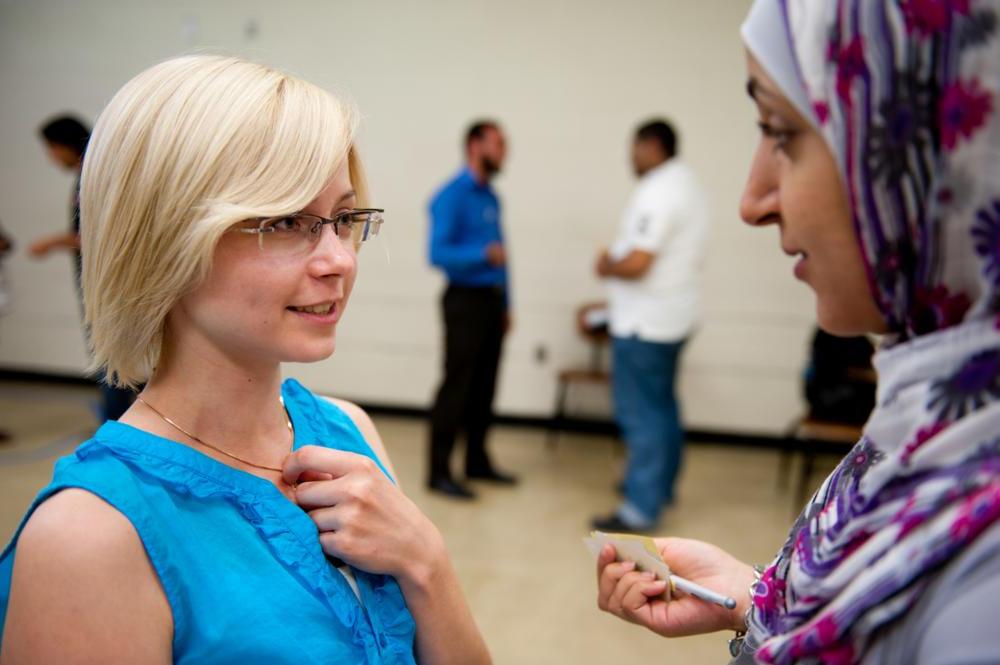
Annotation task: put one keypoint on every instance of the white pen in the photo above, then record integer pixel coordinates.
(698, 591)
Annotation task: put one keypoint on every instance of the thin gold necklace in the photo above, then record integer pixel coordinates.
(288, 422)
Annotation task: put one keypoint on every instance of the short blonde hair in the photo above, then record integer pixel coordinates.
(182, 152)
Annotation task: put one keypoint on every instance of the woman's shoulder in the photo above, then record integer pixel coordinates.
(74, 552)
(358, 416)
(954, 612)
(105, 466)
(77, 524)
(366, 427)
(336, 412)
(85, 511)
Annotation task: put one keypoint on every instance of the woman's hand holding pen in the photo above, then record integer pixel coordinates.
(638, 597)
(362, 517)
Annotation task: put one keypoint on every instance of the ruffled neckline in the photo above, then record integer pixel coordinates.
(285, 529)
(128, 437)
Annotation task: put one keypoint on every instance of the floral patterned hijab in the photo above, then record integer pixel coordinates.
(907, 95)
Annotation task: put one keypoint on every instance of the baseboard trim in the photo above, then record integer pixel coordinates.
(595, 427)
(56, 378)
(598, 427)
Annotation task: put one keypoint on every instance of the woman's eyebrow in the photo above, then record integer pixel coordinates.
(350, 194)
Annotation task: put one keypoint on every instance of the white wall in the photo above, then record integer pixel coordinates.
(569, 80)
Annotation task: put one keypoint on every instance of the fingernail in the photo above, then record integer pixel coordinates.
(628, 565)
(648, 576)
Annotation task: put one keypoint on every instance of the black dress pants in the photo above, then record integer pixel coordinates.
(473, 322)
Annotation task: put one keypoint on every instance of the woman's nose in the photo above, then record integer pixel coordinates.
(760, 202)
(332, 256)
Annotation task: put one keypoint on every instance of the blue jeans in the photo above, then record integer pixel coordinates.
(643, 377)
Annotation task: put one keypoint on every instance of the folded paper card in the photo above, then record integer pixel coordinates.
(639, 549)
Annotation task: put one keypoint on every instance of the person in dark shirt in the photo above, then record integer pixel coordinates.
(466, 243)
(66, 140)
(840, 380)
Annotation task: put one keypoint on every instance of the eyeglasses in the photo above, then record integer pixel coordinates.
(300, 232)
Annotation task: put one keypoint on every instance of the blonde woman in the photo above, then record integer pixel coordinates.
(228, 517)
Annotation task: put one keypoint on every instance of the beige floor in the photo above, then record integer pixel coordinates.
(518, 551)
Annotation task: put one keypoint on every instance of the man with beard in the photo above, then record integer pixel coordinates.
(466, 243)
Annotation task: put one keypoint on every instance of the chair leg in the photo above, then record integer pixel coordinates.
(808, 464)
(784, 466)
(558, 419)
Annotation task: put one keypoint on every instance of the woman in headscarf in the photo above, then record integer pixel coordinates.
(879, 162)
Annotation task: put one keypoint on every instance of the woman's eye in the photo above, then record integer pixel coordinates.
(286, 224)
(345, 223)
(345, 227)
(781, 137)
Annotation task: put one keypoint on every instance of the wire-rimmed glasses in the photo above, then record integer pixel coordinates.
(298, 233)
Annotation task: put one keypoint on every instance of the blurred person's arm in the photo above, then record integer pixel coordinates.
(634, 265)
(645, 234)
(67, 241)
(83, 590)
(508, 320)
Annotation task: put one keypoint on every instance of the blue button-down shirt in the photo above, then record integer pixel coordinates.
(465, 219)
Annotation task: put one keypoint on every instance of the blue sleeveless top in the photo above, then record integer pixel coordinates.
(241, 565)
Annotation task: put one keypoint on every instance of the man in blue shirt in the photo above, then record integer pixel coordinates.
(466, 242)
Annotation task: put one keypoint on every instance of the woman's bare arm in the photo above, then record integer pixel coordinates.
(83, 590)
(367, 428)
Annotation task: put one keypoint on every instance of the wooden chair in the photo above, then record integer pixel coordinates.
(811, 437)
(594, 373)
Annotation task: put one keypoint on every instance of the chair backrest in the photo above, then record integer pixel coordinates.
(592, 325)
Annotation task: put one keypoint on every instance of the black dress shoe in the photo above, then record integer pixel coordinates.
(615, 524)
(492, 476)
(449, 487)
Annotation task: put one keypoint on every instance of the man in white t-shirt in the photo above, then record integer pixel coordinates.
(653, 279)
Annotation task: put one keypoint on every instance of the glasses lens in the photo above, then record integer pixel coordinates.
(299, 233)
(288, 235)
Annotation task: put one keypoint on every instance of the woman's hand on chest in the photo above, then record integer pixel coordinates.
(363, 518)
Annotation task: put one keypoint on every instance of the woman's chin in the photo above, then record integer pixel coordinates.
(848, 312)
(311, 352)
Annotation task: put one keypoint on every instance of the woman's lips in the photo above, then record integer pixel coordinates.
(800, 267)
(325, 314)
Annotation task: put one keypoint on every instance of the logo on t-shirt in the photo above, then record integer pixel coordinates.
(642, 227)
